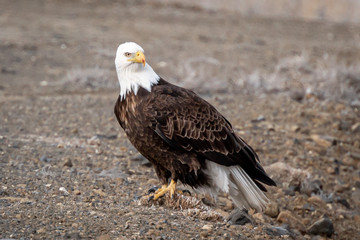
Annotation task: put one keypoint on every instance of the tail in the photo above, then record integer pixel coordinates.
(233, 180)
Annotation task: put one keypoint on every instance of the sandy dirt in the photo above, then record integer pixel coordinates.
(290, 89)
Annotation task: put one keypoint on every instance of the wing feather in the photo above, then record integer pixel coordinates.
(186, 121)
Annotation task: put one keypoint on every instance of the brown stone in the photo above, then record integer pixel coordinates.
(99, 192)
(324, 141)
(317, 201)
(259, 217)
(288, 218)
(77, 192)
(272, 210)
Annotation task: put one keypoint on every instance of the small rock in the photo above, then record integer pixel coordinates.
(356, 127)
(323, 226)
(272, 210)
(8, 70)
(94, 140)
(297, 95)
(239, 217)
(317, 201)
(330, 170)
(342, 201)
(77, 192)
(99, 192)
(45, 159)
(295, 128)
(68, 163)
(347, 160)
(127, 225)
(309, 186)
(288, 218)
(258, 119)
(41, 230)
(277, 231)
(259, 217)
(324, 141)
(207, 227)
(340, 188)
(64, 191)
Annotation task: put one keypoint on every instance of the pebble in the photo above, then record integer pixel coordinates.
(324, 141)
(356, 127)
(259, 217)
(272, 210)
(64, 191)
(77, 192)
(94, 140)
(342, 201)
(295, 128)
(288, 218)
(309, 186)
(68, 163)
(277, 231)
(45, 159)
(317, 201)
(340, 188)
(207, 227)
(258, 119)
(239, 217)
(347, 160)
(41, 230)
(323, 226)
(99, 192)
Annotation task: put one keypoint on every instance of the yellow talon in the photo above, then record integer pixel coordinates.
(164, 189)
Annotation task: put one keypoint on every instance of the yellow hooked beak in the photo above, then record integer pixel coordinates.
(139, 58)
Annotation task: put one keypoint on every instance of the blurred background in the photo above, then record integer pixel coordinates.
(285, 73)
(262, 46)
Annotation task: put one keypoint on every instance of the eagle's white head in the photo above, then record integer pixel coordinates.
(132, 69)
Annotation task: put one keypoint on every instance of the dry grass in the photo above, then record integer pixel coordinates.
(326, 78)
(188, 205)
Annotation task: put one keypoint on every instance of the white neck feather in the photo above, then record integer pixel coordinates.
(134, 76)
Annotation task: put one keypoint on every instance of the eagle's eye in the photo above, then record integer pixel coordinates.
(127, 54)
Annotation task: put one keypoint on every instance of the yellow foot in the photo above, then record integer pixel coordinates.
(164, 189)
(184, 192)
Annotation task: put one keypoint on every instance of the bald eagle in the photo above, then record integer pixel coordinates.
(184, 137)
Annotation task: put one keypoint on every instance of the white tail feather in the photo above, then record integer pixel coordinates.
(237, 183)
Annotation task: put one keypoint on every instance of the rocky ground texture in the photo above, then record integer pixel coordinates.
(290, 88)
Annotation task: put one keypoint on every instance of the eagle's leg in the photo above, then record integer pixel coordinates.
(170, 188)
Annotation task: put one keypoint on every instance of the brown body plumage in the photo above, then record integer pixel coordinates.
(177, 131)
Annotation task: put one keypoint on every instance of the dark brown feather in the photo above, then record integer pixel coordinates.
(177, 130)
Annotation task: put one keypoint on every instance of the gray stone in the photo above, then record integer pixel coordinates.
(239, 217)
(278, 231)
(323, 226)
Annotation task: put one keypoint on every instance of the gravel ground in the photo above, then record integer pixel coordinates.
(290, 88)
